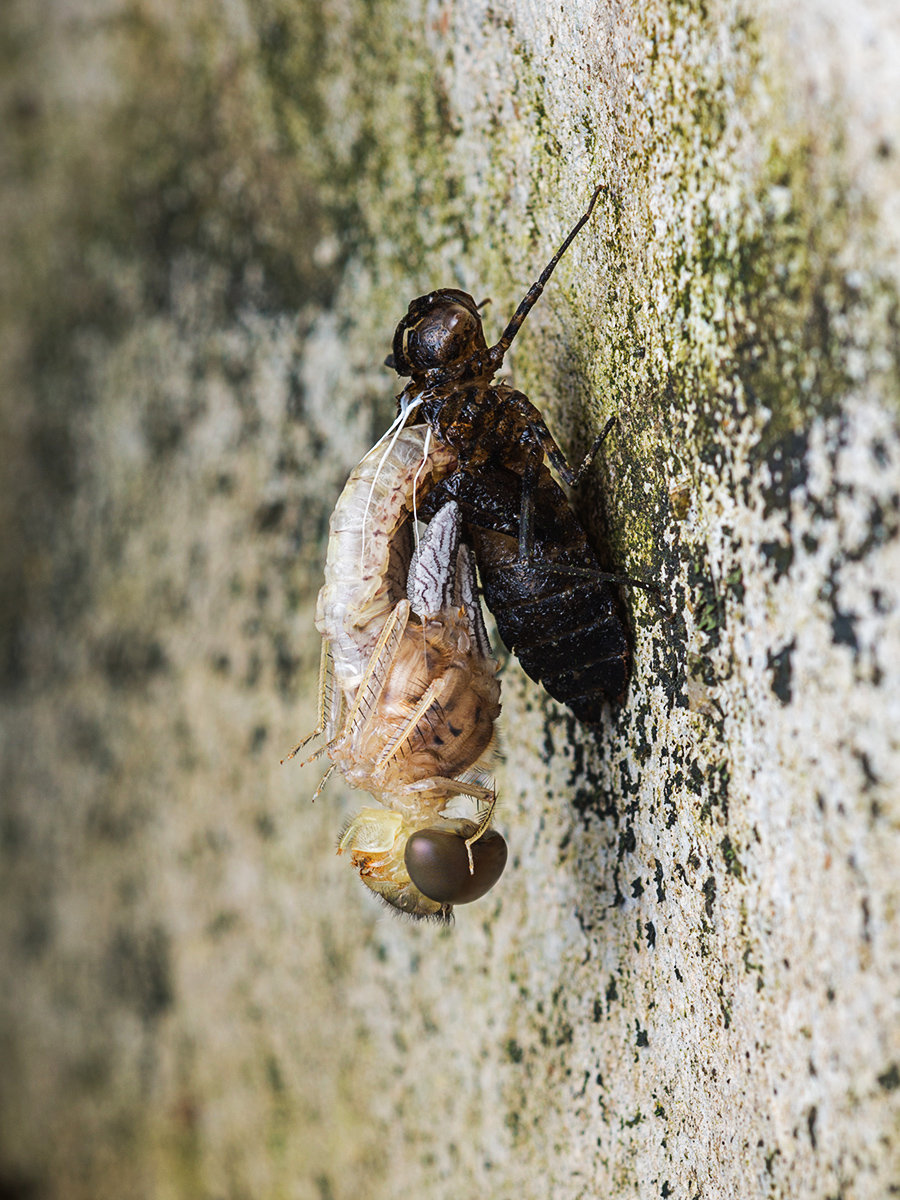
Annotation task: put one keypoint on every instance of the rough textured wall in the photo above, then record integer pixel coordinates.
(212, 217)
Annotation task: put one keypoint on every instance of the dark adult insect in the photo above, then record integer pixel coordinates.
(555, 607)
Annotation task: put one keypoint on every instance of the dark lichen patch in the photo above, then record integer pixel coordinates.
(779, 555)
(287, 665)
(268, 516)
(843, 629)
(882, 526)
(258, 738)
(163, 427)
(780, 664)
(35, 932)
(53, 451)
(139, 970)
(811, 1118)
(708, 603)
(658, 878)
(752, 967)
(514, 1051)
(787, 464)
(726, 1003)
(324, 1187)
(890, 1079)
(265, 826)
(129, 658)
(729, 854)
(712, 785)
(513, 1122)
(672, 788)
(115, 819)
(709, 895)
(91, 1072)
(91, 741)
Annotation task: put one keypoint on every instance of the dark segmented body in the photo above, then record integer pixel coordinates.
(566, 630)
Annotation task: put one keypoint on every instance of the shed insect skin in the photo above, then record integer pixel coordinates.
(414, 696)
(554, 605)
(370, 547)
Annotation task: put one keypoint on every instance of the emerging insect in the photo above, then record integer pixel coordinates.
(554, 605)
(411, 710)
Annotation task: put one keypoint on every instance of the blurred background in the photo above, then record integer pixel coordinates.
(212, 217)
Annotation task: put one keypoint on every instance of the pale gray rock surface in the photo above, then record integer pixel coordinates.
(688, 982)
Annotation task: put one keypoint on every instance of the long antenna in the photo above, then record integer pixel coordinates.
(498, 352)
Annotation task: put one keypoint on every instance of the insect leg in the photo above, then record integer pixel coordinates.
(532, 295)
(482, 827)
(588, 458)
(526, 509)
(318, 792)
(537, 431)
(416, 715)
(476, 790)
(372, 683)
(600, 576)
(612, 577)
(525, 556)
(324, 677)
(542, 438)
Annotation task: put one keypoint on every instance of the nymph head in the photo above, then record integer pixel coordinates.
(423, 872)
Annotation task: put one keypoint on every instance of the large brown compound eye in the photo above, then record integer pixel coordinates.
(439, 866)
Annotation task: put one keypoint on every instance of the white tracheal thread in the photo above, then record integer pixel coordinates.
(394, 428)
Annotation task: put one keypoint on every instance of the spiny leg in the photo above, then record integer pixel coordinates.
(653, 589)
(324, 673)
(372, 684)
(542, 440)
(526, 508)
(416, 715)
(476, 790)
(318, 792)
(537, 432)
(589, 457)
(482, 827)
(530, 476)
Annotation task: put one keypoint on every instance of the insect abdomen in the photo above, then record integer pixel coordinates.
(565, 629)
(567, 634)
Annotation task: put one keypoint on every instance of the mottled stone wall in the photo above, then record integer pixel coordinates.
(212, 216)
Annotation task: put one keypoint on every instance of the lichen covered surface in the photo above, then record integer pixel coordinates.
(688, 981)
